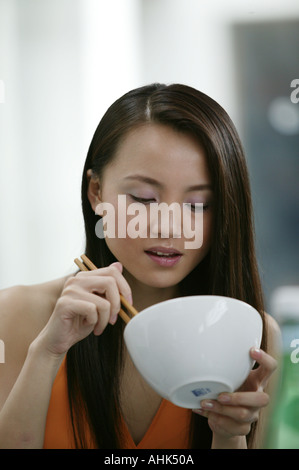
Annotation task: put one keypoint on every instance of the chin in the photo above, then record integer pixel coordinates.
(159, 281)
(160, 285)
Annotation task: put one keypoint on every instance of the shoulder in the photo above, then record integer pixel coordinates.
(273, 335)
(24, 311)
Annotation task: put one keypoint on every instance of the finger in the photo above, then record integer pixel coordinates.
(246, 412)
(83, 312)
(117, 265)
(93, 310)
(228, 427)
(100, 286)
(257, 399)
(81, 308)
(112, 270)
(267, 365)
(108, 288)
(123, 285)
(103, 311)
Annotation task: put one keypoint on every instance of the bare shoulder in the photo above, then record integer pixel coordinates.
(24, 311)
(273, 336)
(274, 349)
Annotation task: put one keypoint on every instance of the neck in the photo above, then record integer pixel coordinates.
(144, 296)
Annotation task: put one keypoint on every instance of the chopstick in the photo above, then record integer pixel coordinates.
(88, 265)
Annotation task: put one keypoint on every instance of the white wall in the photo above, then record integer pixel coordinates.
(63, 62)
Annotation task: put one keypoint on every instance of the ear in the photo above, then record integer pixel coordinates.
(94, 190)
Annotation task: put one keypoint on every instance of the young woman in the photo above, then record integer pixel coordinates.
(68, 380)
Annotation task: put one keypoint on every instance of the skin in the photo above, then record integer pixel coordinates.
(173, 159)
(176, 162)
(54, 316)
(232, 414)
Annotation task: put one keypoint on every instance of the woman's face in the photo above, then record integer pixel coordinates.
(155, 164)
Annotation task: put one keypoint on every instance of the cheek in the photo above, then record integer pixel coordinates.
(122, 248)
(130, 231)
(200, 253)
(133, 222)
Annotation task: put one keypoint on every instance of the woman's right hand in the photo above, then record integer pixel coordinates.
(89, 301)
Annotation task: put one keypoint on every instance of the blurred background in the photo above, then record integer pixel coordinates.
(63, 62)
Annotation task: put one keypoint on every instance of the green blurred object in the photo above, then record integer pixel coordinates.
(283, 424)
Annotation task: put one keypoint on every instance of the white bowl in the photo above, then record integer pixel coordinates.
(193, 348)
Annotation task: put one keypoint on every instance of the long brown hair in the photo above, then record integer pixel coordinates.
(230, 269)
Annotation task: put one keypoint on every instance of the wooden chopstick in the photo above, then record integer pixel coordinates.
(125, 303)
(83, 267)
(88, 265)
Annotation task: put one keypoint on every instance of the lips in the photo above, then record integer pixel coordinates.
(163, 251)
(164, 256)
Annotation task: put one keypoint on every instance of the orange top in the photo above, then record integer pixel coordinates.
(168, 430)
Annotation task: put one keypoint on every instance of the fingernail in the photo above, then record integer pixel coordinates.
(206, 405)
(223, 398)
(198, 411)
(256, 351)
(113, 319)
(130, 299)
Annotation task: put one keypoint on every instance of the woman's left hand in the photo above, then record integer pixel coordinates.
(232, 414)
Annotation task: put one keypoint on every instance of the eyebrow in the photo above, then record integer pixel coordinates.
(153, 182)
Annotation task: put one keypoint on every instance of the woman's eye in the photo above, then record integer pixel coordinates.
(199, 207)
(142, 200)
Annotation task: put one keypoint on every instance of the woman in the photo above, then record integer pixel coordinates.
(66, 362)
